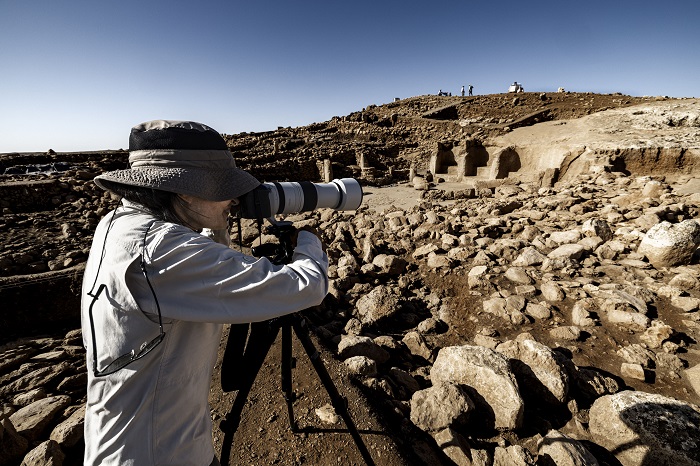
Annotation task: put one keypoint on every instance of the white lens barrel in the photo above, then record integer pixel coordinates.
(352, 194)
(285, 198)
(293, 197)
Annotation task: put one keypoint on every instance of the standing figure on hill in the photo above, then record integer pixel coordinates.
(462, 91)
(156, 293)
(470, 89)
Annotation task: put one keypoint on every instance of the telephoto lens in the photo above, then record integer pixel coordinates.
(270, 199)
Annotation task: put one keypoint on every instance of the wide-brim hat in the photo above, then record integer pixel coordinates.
(182, 157)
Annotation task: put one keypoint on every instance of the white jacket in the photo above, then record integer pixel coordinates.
(155, 410)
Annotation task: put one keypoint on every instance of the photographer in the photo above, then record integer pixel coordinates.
(157, 292)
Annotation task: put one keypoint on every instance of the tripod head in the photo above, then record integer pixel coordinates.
(278, 253)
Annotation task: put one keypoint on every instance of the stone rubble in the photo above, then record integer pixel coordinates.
(570, 260)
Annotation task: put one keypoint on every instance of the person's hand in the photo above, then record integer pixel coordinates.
(310, 229)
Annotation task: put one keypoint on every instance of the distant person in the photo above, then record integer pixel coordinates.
(470, 89)
(440, 93)
(156, 293)
(463, 91)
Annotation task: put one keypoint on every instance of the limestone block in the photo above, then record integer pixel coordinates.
(361, 366)
(512, 455)
(441, 406)
(488, 374)
(47, 453)
(597, 227)
(552, 292)
(379, 304)
(352, 345)
(667, 244)
(538, 370)
(70, 432)
(12, 445)
(562, 450)
(643, 428)
(529, 256)
(31, 420)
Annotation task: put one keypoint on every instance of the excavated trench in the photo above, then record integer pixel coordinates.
(654, 161)
(481, 163)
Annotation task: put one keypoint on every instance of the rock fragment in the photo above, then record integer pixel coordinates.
(487, 373)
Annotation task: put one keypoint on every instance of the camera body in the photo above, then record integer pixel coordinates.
(270, 199)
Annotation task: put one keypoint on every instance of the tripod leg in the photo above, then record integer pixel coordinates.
(233, 356)
(337, 400)
(287, 362)
(261, 337)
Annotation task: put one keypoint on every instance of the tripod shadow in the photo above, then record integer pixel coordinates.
(246, 351)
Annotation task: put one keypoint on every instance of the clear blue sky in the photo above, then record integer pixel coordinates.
(77, 75)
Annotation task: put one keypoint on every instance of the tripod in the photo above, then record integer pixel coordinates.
(246, 350)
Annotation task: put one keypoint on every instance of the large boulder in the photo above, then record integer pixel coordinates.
(644, 429)
(667, 244)
(377, 305)
(538, 369)
(489, 381)
(31, 420)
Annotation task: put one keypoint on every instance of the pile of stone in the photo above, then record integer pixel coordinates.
(607, 252)
(474, 319)
(59, 212)
(42, 386)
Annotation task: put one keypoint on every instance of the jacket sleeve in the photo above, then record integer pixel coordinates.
(197, 279)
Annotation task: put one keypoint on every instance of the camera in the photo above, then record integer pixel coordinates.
(270, 199)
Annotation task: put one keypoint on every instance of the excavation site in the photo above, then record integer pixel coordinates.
(519, 286)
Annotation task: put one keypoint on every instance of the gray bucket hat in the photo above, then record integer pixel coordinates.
(182, 157)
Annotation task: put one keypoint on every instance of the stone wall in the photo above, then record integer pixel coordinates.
(36, 303)
(30, 196)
